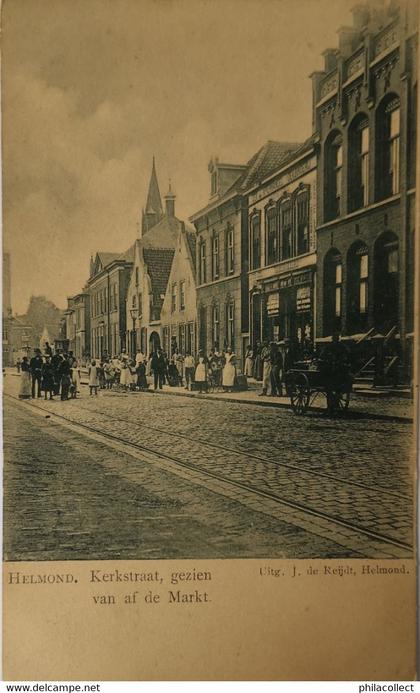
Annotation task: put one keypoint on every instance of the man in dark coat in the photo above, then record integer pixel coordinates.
(158, 367)
(64, 372)
(35, 366)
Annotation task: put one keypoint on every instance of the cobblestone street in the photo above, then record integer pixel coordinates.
(143, 475)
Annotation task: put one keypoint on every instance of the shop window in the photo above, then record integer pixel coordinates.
(388, 148)
(271, 236)
(255, 241)
(357, 287)
(302, 222)
(358, 191)
(286, 229)
(333, 176)
(333, 281)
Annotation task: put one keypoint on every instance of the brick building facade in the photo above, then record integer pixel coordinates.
(364, 115)
(282, 245)
(222, 250)
(107, 288)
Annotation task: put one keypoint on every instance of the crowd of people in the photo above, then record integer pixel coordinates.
(54, 373)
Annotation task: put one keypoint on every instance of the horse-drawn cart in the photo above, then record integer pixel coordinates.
(307, 380)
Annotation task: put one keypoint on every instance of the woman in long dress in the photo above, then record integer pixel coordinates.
(25, 391)
(249, 362)
(229, 371)
(125, 375)
(201, 372)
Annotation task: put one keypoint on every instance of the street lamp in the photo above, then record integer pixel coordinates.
(134, 314)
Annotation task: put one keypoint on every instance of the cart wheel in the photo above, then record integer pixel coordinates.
(300, 394)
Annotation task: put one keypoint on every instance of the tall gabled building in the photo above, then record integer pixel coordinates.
(153, 255)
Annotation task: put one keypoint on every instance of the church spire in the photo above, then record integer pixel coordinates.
(154, 211)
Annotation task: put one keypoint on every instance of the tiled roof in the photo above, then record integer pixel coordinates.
(265, 172)
(163, 234)
(159, 263)
(106, 258)
(128, 256)
(267, 159)
(270, 156)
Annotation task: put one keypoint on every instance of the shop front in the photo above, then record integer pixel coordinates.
(282, 308)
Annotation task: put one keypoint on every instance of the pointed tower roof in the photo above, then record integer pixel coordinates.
(154, 203)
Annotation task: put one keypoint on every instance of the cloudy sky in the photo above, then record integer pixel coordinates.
(93, 88)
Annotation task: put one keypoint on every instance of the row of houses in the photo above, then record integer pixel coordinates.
(303, 240)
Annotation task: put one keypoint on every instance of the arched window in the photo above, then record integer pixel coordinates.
(255, 241)
(358, 189)
(271, 255)
(333, 175)
(302, 221)
(357, 287)
(333, 280)
(286, 225)
(388, 147)
(386, 285)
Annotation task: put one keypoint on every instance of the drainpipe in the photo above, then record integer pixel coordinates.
(108, 316)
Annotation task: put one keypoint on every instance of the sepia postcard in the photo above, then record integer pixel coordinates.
(210, 339)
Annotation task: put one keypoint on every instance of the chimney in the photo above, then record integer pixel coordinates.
(170, 202)
(361, 16)
(330, 59)
(348, 37)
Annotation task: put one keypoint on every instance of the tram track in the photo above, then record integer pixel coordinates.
(240, 485)
(236, 451)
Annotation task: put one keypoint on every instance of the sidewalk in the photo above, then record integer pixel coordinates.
(252, 395)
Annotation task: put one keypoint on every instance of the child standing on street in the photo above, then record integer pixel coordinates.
(93, 378)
